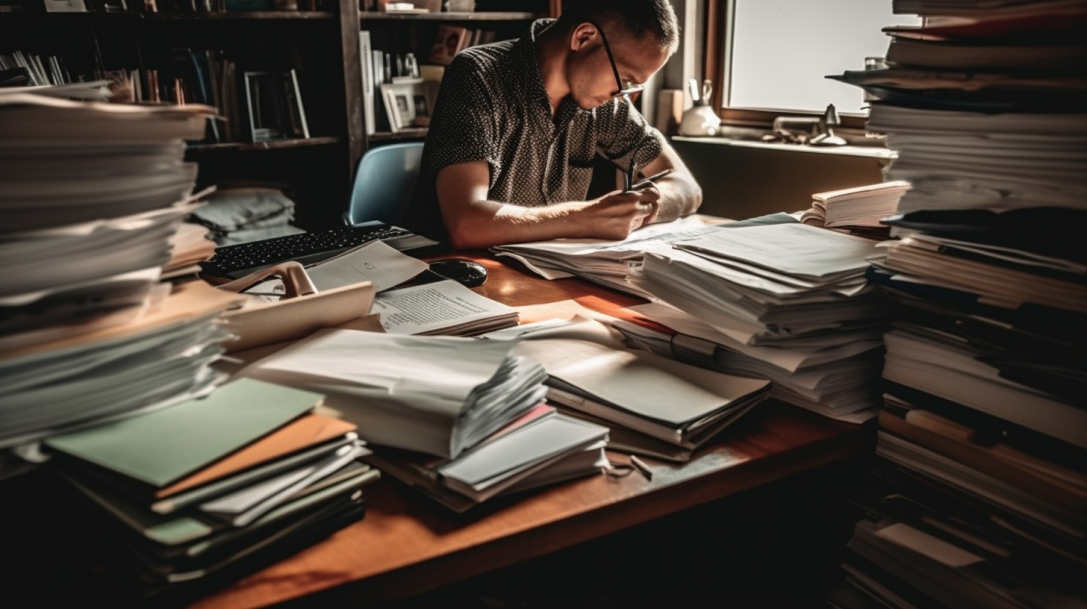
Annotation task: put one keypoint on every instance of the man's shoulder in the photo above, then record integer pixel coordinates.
(487, 57)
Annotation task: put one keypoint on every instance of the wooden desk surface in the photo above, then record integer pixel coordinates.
(407, 544)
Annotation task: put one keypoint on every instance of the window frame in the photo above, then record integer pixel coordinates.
(718, 38)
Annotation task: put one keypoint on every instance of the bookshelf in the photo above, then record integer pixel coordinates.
(397, 34)
(321, 45)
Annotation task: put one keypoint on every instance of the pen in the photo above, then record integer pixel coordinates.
(641, 466)
(647, 181)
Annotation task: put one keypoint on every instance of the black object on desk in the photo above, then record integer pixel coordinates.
(466, 272)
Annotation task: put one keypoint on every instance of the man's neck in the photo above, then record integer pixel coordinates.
(551, 55)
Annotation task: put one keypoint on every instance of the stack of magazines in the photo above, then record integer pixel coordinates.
(983, 498)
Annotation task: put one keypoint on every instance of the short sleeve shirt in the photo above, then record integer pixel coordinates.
(492, 107)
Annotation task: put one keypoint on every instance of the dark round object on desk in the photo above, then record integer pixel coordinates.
(468, 273)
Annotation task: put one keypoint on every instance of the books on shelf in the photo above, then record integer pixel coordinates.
(452, 39)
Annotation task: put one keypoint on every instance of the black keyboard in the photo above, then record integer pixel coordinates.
(235, 261)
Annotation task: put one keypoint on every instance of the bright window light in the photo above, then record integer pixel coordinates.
(783, 49)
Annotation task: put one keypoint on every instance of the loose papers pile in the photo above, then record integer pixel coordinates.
(789, 287)
(448, 415)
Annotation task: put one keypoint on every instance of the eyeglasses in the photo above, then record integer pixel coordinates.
(627, 88)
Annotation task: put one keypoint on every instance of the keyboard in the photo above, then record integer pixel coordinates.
(236, 261)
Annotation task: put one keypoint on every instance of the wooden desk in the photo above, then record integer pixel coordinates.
(407, 544)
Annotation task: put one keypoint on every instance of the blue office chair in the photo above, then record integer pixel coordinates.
(384, 183)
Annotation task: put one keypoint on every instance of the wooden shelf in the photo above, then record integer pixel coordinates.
(406, 134)
(443, 16)
(219, 16)
(248, 146)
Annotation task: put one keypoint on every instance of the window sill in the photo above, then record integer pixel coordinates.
(848, 150)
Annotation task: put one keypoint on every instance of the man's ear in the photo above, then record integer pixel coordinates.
(582, 35)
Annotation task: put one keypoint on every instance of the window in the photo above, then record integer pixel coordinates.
(777, 53)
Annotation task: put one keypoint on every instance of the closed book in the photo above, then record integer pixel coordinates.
(450, 40)
(308, 431)
(161, 447)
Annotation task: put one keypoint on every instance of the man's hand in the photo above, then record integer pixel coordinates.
(617, 214)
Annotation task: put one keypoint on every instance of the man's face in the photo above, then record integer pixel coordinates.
(593, 70)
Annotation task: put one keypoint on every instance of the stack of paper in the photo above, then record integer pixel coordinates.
(597, 260)
(82, 379)
(539, 448)
(433, 394)
(190, 245)
(591, 372)
(92, 196)
(826, 376)
(192, 489)
(860, 207)
(783, 286)
(441, 308)
(983, 422)
(457, 418)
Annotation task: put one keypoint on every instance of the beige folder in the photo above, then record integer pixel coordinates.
(296, 316)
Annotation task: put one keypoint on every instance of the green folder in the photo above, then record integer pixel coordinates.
(162, 446)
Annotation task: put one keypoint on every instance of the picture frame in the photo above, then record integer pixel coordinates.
(274, 109)
(408, 103)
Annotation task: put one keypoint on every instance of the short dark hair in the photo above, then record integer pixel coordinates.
(636, 17)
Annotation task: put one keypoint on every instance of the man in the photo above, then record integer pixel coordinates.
(508, 157)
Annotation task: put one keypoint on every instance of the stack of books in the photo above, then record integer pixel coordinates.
(786, 302)
(983, 500)
(211, 488)
(458, 418)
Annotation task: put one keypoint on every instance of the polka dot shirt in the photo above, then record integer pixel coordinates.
(492, 107)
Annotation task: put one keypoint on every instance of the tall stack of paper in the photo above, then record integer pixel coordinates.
(190, 491)
(983, 425)
(92, 195)
(451, 401)
(780, 297)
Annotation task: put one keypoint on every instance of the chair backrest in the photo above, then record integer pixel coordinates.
(384, 183)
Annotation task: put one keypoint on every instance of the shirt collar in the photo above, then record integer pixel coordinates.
(531, 78)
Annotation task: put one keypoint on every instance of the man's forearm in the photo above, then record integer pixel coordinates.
(488, 223)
